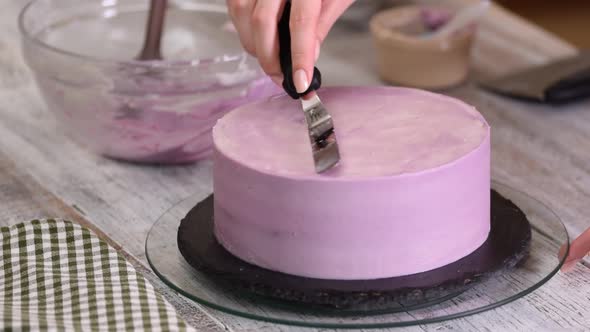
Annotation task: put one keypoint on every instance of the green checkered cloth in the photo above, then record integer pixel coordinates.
(58, 276)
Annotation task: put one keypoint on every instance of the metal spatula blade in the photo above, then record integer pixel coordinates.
(321, 133)
(319, 122)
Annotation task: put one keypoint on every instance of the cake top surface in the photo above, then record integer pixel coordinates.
(381, 131)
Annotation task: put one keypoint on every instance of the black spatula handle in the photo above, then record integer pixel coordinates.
(286, 61)
(573, 87)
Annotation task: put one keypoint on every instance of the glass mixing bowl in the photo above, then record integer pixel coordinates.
(82, 55)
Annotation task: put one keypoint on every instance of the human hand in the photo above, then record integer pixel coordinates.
(257, 24)
(578, 249)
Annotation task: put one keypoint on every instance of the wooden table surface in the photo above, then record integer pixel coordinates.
(538, 149)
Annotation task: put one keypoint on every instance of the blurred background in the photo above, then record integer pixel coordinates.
(569, 19)
(83, 53)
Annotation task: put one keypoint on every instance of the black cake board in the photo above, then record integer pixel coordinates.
(506, 247)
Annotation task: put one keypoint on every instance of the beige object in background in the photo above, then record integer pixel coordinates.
(406, 58)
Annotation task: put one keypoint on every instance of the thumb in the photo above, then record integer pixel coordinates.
(579, 248)
(303, 25)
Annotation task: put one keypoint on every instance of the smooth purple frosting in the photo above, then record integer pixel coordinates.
(411, 193)
(382, 133)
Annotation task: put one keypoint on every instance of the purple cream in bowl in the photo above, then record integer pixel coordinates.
(81, 53)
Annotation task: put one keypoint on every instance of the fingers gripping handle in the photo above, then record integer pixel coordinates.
(286, 61)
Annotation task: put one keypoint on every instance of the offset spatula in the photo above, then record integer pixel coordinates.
(319, 122)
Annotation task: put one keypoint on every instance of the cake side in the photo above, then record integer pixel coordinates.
(362, 225)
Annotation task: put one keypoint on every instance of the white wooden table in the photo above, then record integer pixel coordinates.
(544, 152)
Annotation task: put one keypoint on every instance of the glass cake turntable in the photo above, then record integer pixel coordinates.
(519, 256)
